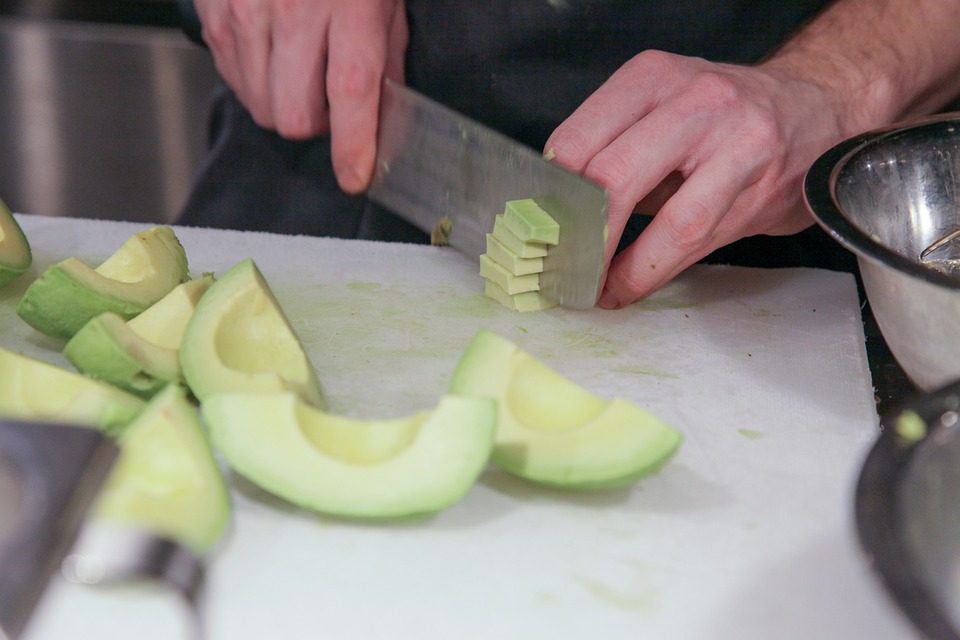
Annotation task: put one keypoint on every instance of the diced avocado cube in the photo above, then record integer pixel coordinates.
(510, 261)
(523, 302)
(508, 239)
(529, 222)
(507, 281)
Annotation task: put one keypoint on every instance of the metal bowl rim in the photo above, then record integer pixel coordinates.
(820, 197)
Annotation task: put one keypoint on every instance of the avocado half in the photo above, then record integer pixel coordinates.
(33, 389)
(239, 339)
(356, 468)
(70, 293)
(15, 255)
(166, 480)
(554, 432)
(140, 355)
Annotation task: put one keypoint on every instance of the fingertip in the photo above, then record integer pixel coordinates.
(349, 180)
(608, 300)
(354, 177)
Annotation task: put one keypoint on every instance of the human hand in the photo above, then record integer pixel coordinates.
(308, 67)
(719, 150)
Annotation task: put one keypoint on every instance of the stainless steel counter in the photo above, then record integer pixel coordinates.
(100, 120)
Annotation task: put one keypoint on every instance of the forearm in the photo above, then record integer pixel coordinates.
(878, 61)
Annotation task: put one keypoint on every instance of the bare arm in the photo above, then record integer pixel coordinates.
(732, 143)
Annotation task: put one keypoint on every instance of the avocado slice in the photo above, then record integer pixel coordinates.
(514, 244)
(139, 355)
(15, 255)
(522, 302)
(166, 480)
(355, 468)
(69, 293)
(239, 339)
(510, 261)
(551, 430)
(505, 280)
(529, 222)
(35, 390)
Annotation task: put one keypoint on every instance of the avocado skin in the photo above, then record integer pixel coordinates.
(58, 306)
(11, 270)
(59, 302)
(94, 351)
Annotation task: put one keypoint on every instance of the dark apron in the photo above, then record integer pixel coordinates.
(521, 66)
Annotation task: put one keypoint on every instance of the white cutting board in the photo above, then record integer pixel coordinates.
(746, 534)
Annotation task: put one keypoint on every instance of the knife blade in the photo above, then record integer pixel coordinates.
(435, 166)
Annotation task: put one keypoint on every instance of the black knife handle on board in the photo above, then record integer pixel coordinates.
(190, 22)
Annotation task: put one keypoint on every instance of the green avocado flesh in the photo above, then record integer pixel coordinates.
(529, 222)
(554, 432)
(355, 468)
(505, 280)
(514, 244)
(510, 261)
(166, 480)
(523, 302)
(15, 255)
(239, 340)
(140, 355)
(34, 390)
(69, 293)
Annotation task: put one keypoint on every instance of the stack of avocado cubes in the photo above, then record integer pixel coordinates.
(514, 259)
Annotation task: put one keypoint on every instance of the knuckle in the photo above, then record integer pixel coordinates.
(355, 79)
(690, 227)
(766, 133)
(654, 59)
(569, 146)
(297, 124)
(261, 116)
(717, 89)
(244, 15)
(610, 170)
(216, 34)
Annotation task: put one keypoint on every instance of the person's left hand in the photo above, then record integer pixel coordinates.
(722, 148)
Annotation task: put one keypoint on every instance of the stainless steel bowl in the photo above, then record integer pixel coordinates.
(908, 511)
(887, 195)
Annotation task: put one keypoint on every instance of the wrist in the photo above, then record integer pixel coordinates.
(858, 96)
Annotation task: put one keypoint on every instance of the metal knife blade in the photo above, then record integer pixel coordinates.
(434, 163)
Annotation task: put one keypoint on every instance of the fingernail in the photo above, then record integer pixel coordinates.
(608, 301)
(349, 179)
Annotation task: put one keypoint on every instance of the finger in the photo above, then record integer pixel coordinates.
(660, 195)
(298, 66)
(357, 59)
(686, 229)
(640, 161)
(219, 36)
(397, 40)
(250, 22)
(603, 116)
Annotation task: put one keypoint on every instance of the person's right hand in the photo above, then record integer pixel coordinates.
(308, 67)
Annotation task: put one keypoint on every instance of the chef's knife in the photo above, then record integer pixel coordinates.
(448, 174)
(49, 477)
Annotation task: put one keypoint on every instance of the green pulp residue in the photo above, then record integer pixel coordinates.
(638, 371)
(618, 597)
(910, 426)
(364, 287)
(750, 434)
(602, 346)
